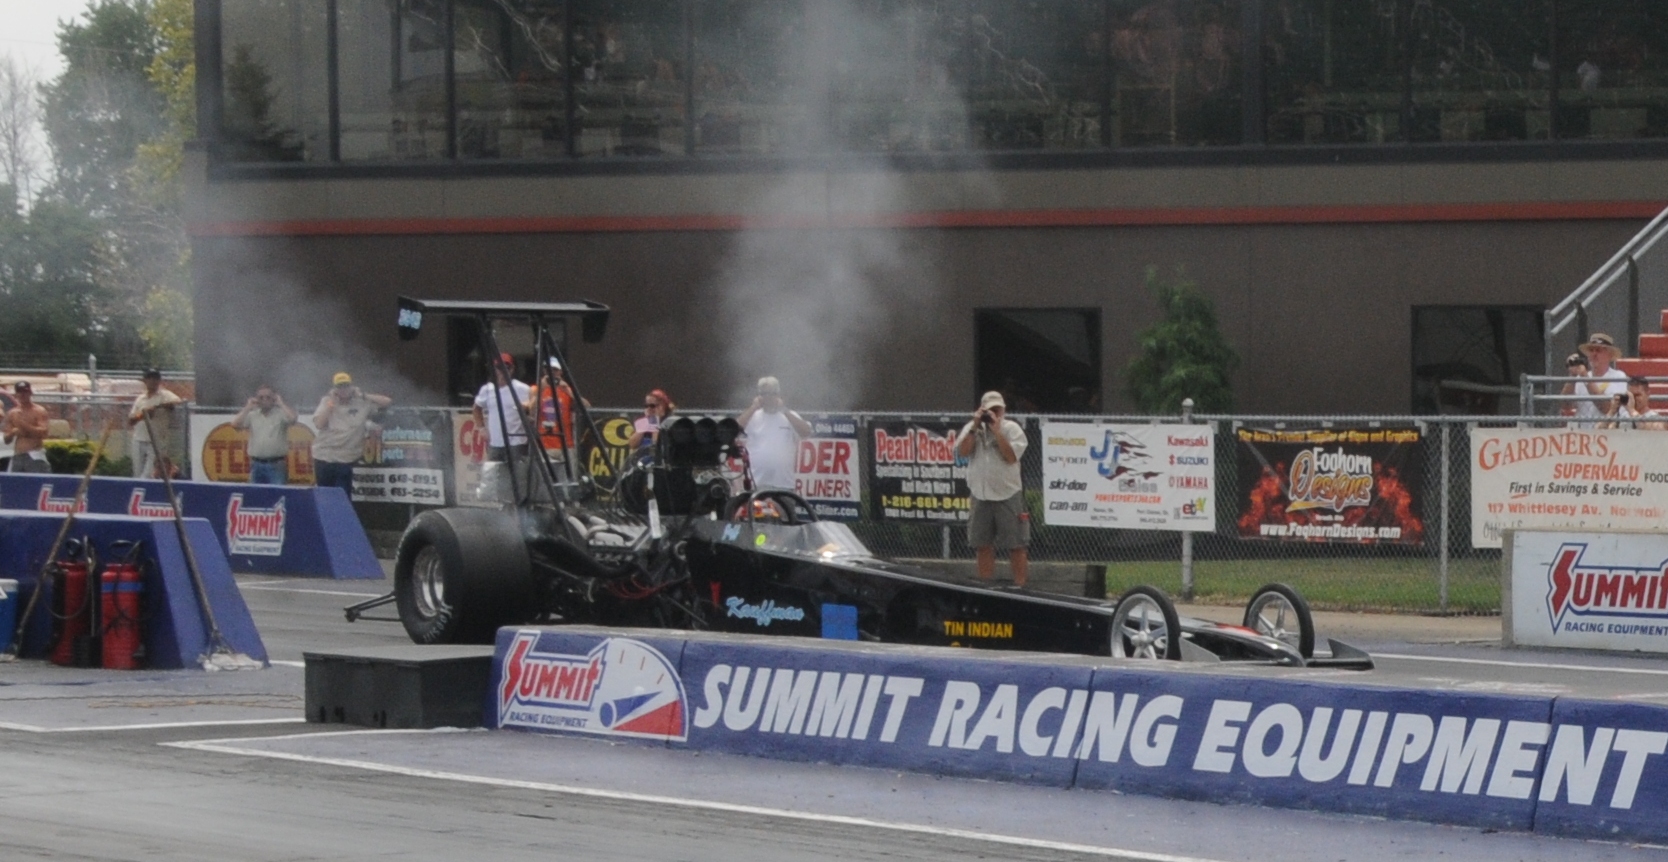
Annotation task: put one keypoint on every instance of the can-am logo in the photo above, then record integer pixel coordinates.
(1603, 591)
(138, 507)
(620, 687)
(258, 532)
(62, 505)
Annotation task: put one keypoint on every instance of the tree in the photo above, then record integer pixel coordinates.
(49, 300)
(20, 152)
(1184, 355)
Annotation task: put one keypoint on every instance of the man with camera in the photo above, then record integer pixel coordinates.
(339, 441)
(993, 444)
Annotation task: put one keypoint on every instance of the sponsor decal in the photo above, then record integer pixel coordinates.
(139, 507)
(1148, 477)
(762, 614)
(257, 532)
(915, 474)
(1586, 590)
(62, 505)
(621, 687)
(978, 629)
(1565, 480)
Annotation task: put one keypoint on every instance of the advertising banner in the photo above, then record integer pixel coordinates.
(1566, 479)
(220, 451)
(406, 460)
(1356, 485)
(1132, 477)
(1586, 590)
(469, 445)
(914, 474)
(1479, 759)
(826, 473)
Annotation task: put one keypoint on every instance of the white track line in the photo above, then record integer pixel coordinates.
(286, 663)
(273, 589)
(219, 747)
(1523, 664)
(166, 725)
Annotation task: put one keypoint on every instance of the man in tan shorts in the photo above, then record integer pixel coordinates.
(25, 428)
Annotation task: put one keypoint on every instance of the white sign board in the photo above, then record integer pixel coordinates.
(1566, 479)
(1589, 590)
(1132, 477)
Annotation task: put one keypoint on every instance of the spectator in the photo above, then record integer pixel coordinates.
(25, 427)
(267, 419)
(993, 444)
(773, 434)
(504, 422)
(1637, 402)
(339, 435)
(152, 413)
(657, 408)
(1608, 380)
(553, 398)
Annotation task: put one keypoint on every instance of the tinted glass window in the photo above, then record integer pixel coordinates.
(628, 66)
(1613, 69)
(1176, 66)
(1332, 71)
(393, 79)
(276, 85)
(509, 64)
(751, 81)
(1480, 70)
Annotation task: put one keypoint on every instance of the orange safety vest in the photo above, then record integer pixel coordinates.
(556, 436)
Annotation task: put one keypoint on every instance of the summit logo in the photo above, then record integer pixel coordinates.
(62, 505)
(139, 507)
(618, 687)
(1585, 589)
(252, 531)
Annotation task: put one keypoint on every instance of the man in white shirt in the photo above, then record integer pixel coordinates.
(773, 434)
(1608, 380)
(152, 411)
(993, 445)
(1637, 403)
(498, 406)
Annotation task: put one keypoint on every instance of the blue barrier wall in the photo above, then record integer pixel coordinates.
(172, 625)
(262, 529)
(1543, 764)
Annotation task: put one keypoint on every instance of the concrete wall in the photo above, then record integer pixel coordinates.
(1314, 269)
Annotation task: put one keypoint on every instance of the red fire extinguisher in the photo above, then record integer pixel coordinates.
(121, 589)
(72, 605)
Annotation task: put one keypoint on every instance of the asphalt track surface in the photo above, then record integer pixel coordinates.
(192, 765)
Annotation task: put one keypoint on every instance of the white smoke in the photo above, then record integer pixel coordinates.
(810, 302)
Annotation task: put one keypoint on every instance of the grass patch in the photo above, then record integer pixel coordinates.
(1404, 585)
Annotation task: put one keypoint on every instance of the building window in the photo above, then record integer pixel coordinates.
(1480, 70)
(509, 59)
(276, 104)
(1333, 71)
(628, 66)
(392, 73)
(1467, 358)
(1176, 72)
(751, 86)
(1612, 69)
(1041, 359)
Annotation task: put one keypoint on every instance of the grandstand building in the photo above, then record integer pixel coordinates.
(896, 204)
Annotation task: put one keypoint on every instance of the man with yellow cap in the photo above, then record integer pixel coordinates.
(339, 438)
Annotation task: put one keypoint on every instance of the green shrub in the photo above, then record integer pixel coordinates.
(71, 456)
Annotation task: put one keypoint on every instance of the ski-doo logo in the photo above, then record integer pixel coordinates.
(621, 687)
(253, 531)
(62, 505)
(139, 508)
(1603, 591)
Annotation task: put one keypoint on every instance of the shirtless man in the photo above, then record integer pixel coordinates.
(25, 428)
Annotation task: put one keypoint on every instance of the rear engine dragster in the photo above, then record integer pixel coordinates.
(665, 543)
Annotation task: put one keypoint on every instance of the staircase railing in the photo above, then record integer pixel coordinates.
(1594, 306)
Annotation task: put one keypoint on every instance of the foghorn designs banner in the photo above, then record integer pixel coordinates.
(1566, 479)
(1354, 485)
(1132, 477)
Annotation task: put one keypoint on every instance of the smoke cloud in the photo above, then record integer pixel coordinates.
(808, 304)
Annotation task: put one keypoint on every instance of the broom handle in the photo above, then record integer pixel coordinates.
(216, 639)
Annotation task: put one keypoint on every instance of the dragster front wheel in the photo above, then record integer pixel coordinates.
(1145, 625)
(462, 573)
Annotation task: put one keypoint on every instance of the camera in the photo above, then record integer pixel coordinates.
(985, 418)
(1622, 399)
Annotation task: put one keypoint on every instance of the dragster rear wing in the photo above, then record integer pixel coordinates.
(593, 316)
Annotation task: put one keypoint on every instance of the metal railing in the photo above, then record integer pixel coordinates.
(1594, 306)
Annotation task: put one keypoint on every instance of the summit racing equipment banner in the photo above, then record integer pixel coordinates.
(1589, 590)
(914, 474)
(1475, 759)
(1566, 479)
(1356, 485)
(1139, 477)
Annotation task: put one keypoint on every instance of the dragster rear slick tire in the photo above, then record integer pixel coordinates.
(461, 574)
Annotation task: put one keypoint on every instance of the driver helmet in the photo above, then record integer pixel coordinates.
(764, 510)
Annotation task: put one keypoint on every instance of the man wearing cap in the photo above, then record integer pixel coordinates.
(773, 434)
(498, 406)
(552, 402)
(153, 412)
(993, 444)
(267, 419)
(339, 438)
(24, 426)
(1607, 380)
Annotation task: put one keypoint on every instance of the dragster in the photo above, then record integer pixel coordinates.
(665, 542)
